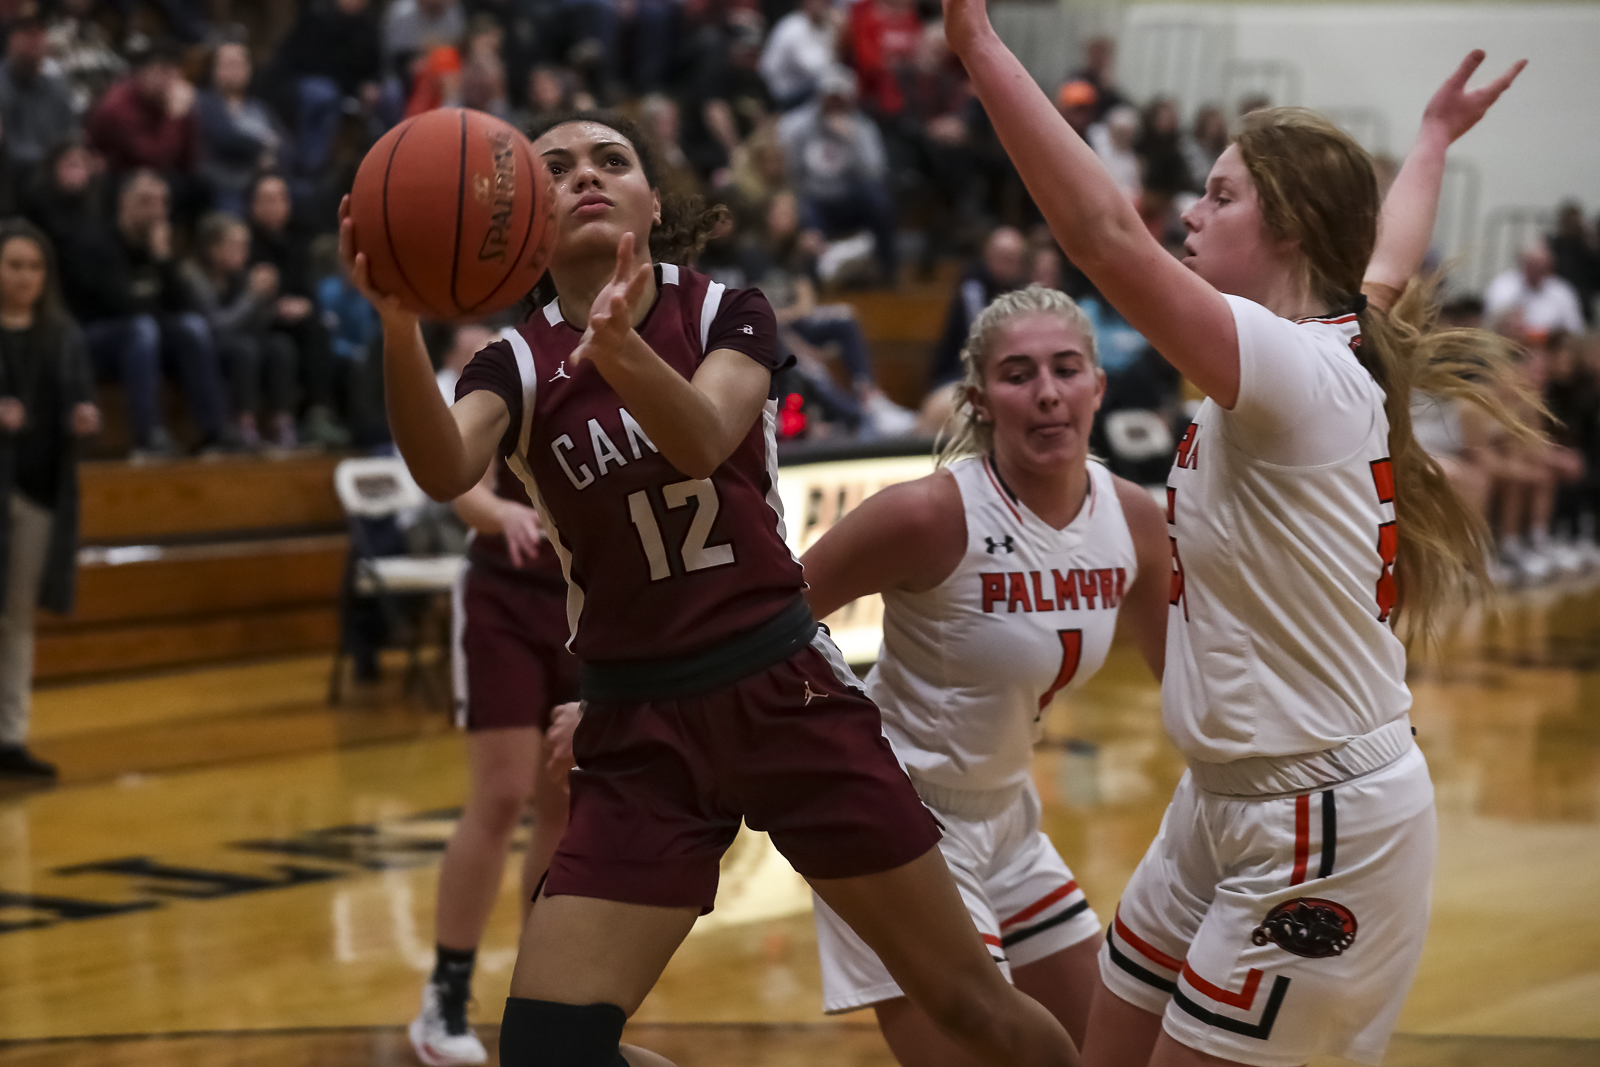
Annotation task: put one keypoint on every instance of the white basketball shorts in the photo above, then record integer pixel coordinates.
(1020, 893)
(1267, 931)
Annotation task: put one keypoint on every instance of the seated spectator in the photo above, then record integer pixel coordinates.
(356, 340)
(483, 72)
(884, 38)
(802, 46)
(1098, 72)
(838, 169)
(782, 263)
(138, 316)
(435, 80)
(1158, 146)
(274, 240)
(329, 58)
(758, 172)
(1575, 255)
(66, 199)
(1079, 103)
(933, 137)
(1002, 266)
(46, 403)
(239, 302)
(36, 109)
(724, 96)
(238, 136)
(552, 91)
(1208, 139)
(146, 120)
(81, 51)
(1542, 301)
(412, 29)
(1112, 140)
(659, 117)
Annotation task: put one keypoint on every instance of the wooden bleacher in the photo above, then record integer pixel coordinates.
(200, 561)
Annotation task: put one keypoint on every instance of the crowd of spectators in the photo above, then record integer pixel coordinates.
(187, 171)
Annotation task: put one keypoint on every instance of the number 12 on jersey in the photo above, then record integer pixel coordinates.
(694, 553)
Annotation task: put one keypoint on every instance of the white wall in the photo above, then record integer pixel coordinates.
(1539, 145)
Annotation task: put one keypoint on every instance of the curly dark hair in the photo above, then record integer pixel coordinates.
(686, 221)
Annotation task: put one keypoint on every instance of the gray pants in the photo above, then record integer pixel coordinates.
(30, 541)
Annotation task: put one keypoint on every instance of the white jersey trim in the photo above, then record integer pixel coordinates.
(708, 312)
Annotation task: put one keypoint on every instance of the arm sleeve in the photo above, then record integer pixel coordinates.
(495, 368)
(1301, 401)
(745, 323)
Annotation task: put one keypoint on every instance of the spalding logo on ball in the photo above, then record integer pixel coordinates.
(454, 214)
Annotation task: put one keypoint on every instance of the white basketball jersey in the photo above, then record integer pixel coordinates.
(1282, 515)
(968, 667)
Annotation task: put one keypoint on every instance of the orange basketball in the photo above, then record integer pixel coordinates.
(454, 214)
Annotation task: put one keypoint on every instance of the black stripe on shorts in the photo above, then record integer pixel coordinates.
(1260, 1031)
(1007, 940)
(1149, 978)
(1330, 833)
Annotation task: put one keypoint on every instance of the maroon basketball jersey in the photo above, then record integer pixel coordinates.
(658, 564)
(490, 550)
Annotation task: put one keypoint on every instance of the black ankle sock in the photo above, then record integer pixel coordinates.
(453, 966)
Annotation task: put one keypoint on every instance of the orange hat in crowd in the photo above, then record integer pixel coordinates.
(1077, 93)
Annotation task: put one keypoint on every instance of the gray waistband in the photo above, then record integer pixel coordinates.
(976, 804)
(1266, 776)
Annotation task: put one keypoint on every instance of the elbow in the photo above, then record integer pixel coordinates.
(443, 486)
(699, 467)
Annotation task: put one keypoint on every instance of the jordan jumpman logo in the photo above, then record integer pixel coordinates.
(810, 694)
(561, 372)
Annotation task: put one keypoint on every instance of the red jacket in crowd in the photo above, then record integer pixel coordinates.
(132, 131)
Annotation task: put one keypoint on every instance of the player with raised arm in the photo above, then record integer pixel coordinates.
(1281, 909)
(1003, 577)
(634, 404)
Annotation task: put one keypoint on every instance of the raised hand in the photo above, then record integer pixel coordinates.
(1455, 109)
(964, 22)
(611, 314)
(355, 264)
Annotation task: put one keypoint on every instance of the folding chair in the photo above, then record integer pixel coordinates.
(374, 492)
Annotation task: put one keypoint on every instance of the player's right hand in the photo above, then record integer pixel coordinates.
(1454, 110)
(355, 264)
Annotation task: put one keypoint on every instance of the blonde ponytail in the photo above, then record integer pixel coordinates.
(1444, 544)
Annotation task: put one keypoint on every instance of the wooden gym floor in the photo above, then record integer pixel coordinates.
(231, 873)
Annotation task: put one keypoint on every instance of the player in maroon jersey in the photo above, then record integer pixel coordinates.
(516, 685)
(635, 405)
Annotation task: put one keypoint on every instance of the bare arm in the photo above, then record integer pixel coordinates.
(1406, 225)
(1144, 608)
(447, 448)
(908, 536)
(1182, 316)
(696, 423)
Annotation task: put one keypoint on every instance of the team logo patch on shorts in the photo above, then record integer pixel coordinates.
(1309, 927)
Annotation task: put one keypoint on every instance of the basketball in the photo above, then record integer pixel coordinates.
(453, 213)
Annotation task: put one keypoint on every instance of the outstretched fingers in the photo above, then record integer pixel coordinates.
(1502, 83)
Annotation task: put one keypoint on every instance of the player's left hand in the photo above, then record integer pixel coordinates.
(611, 315)
(558, 758)
(1454, 109)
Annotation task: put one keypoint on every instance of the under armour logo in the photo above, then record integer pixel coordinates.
(810, 694)
(561, 372)
(1005, 544)
(750, 330)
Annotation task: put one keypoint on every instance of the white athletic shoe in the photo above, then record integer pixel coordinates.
(431, 1036)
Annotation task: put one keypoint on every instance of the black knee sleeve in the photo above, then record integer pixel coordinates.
(542, 1033)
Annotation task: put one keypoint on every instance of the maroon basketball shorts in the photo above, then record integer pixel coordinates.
(796, 750)
(510, 656)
